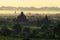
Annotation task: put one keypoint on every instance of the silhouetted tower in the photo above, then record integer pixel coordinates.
(46, 17)
(21, 18)
(46, 20)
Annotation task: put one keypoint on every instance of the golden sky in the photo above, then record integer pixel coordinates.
(30, 3)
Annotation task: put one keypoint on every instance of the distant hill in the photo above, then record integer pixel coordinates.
(30, 8)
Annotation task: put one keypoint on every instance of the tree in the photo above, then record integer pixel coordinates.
(16, 29)
(57, 30)
(5, 31)
(26, 39)
(26, 33)
(27, 29)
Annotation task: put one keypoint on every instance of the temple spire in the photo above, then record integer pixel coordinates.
(21, 17)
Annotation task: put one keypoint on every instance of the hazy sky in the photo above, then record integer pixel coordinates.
(30, 3)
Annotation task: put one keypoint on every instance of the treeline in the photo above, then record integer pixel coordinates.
(46, 29)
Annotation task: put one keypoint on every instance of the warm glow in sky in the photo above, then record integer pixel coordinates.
(30, 3)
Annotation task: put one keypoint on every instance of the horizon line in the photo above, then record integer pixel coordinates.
(31, 6)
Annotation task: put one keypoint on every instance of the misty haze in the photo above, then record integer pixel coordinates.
(29, 19)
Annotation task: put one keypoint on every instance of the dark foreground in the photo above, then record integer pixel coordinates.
(21, 28)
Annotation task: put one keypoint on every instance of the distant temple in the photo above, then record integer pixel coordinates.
(21, 18)
(46, 20)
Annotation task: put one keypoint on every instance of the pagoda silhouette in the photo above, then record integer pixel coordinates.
(21, 18)
(45, 20)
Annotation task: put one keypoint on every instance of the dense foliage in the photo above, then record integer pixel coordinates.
(29, 30)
